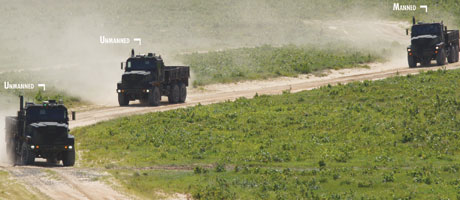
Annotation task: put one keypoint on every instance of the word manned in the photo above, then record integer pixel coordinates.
(397, 6)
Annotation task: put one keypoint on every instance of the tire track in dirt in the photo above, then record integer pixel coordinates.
(90, 117)
(65, 183)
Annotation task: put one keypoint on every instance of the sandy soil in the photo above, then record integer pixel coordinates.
(58, 182)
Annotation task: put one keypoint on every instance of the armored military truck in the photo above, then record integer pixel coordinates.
(146, 78)
(432, 41)
(40, 131)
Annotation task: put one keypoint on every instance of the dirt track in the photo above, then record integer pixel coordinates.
(220, 92)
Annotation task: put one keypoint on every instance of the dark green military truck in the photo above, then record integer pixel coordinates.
(146, 78)
(432, 41)
(40, 131)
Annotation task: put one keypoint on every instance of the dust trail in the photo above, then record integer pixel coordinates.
(61, 38)
(8, 107)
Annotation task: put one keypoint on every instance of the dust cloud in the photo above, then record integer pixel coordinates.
(8, 107)
(60, 39)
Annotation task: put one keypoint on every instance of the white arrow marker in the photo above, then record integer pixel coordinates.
(138, 40)
(42, 85)
(424, 6)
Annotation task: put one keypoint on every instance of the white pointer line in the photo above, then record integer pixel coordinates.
(138, 40)
(42, 85)
(424, 6)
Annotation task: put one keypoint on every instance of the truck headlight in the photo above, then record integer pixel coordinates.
(32, 146)
(437, 47)
(70, 147)
(118, 91)
(408, 50)
(147, 91)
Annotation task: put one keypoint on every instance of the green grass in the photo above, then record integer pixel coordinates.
(268, 61)
(390, 138)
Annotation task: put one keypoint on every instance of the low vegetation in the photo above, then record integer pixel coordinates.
(392, 138)
(267, 61)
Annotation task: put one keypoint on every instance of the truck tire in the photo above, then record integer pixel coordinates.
(411, 61)
(123, 99)
(451, 56)
(441, 57)
(69, 158)
(174, 94)
(183, 92)
(154, 97)
(27, 156)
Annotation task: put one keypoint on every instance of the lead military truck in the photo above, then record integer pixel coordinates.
(432, 41)
(40, 131)
(146, 78)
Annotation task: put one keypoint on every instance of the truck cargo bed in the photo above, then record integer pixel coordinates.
(175, 73)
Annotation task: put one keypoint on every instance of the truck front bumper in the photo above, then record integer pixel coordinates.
(51, 148)
(133, 91)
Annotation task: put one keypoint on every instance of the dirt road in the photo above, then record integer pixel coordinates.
(56, 182)
(221, 92)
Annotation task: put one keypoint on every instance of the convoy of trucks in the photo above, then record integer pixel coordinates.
(42, 130)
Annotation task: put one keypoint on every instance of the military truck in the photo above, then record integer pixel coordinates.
(40, 131)
(146, 78)
(432, 41)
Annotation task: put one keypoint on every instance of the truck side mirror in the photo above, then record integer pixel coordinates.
(407, 31)
(73, 115)
(121, 65)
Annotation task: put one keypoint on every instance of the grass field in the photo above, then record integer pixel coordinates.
(392, 138)
(267, 61)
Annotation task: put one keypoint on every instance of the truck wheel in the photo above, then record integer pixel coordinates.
(451, 56)
(441, 57)
(154, 96)
(69, 158)
(183, 92)
(27, 156)
(123, 99)
(174, 94)
(411, 61)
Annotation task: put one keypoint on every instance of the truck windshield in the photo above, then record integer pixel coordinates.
(426, 29)
(50, 114)
(139, 64)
